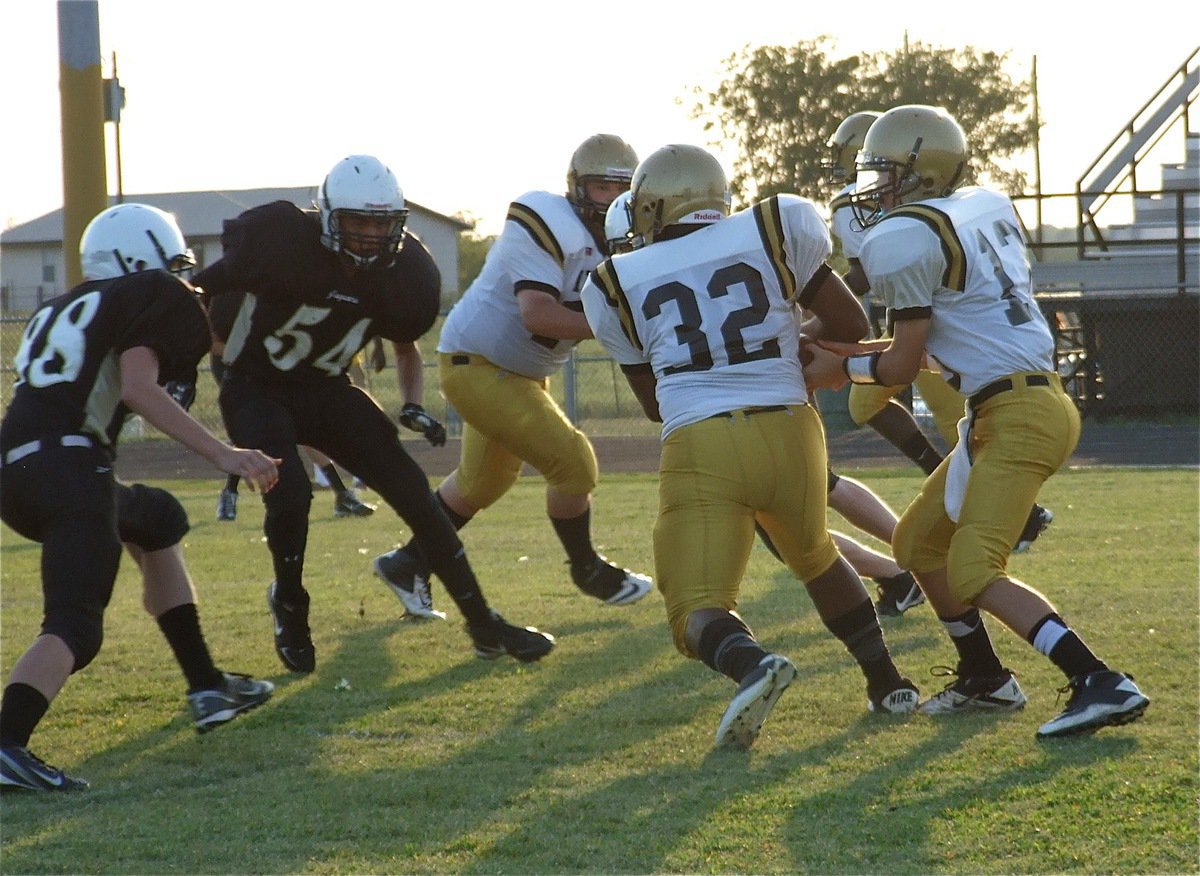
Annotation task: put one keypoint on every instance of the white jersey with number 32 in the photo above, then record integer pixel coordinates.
(711, 312)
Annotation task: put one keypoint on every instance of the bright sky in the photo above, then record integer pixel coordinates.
(472, 103)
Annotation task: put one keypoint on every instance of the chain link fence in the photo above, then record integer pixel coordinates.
(1133, 357)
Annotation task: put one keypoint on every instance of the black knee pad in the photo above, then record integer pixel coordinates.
(286, 521)
(81, 629)
(831, 480)
(149, 517)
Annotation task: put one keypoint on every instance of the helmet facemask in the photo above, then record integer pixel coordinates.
(599, 158)
(842, 148)
(362, 250)
(912, 153)
(361, 191)
(880, 186)
(618, 225)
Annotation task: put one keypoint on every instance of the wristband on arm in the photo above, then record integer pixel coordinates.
(863, 368)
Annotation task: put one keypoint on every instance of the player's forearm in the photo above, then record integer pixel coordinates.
(152, 403)
(410, 372)
(544, 316)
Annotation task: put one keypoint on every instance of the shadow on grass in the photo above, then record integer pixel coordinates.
(283, 790)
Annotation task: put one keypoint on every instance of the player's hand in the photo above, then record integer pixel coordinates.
(415, 417)
(824, 369)
(378, 356)
(255, 468)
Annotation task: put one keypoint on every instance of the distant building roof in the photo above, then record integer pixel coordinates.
(199, 214)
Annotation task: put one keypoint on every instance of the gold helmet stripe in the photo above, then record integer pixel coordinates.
(537, 228)
(606, 279)
(955, 275)
(770, 229)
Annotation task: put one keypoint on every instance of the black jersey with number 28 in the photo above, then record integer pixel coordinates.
(68, 362)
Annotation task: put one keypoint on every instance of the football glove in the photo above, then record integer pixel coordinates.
(413, 416)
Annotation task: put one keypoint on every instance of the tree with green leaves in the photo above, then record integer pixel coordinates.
(472, 250)
(779, 105)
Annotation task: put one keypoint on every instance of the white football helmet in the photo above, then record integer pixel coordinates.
(128, 238)
(361, 184)
(618, 226)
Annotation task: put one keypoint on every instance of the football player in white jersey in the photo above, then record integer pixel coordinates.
(700, 318)
(876, 406)
(854, 500)
(950, 262)
(514, 327)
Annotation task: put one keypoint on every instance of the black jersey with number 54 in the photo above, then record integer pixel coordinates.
(304, 316)
(68, 371)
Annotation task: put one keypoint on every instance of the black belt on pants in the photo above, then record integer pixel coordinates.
(766, 409)
(15, 454)
(998, 386)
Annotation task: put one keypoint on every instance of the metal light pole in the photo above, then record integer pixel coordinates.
(114, 102)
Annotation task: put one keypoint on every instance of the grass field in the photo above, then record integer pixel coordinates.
(404, 753)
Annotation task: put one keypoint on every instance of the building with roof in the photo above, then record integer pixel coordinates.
(31, 256)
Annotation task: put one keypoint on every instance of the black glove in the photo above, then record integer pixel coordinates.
(414, 417)
(183, 392)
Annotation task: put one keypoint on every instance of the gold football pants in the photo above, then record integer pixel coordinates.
(1018, 439)
(716, 476)
(509, 419)
(944, 402)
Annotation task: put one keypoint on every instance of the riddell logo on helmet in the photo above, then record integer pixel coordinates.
(701, 216)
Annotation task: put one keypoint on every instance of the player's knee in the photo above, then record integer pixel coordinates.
(81, 630)
(862, 406)
(902, 545)
(150, 518)
(975, 560)
(576, 473)
(285, 522)
(487, 487)
(290, 497)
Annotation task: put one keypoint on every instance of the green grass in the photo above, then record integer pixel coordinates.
(404, 753)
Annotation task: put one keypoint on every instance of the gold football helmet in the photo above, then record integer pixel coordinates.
(910, 153)
(676, 185)
(843, 147)
(599, 157)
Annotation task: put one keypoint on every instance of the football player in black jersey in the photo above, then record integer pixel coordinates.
(87, 359)
(221, 313)
(318, 286)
